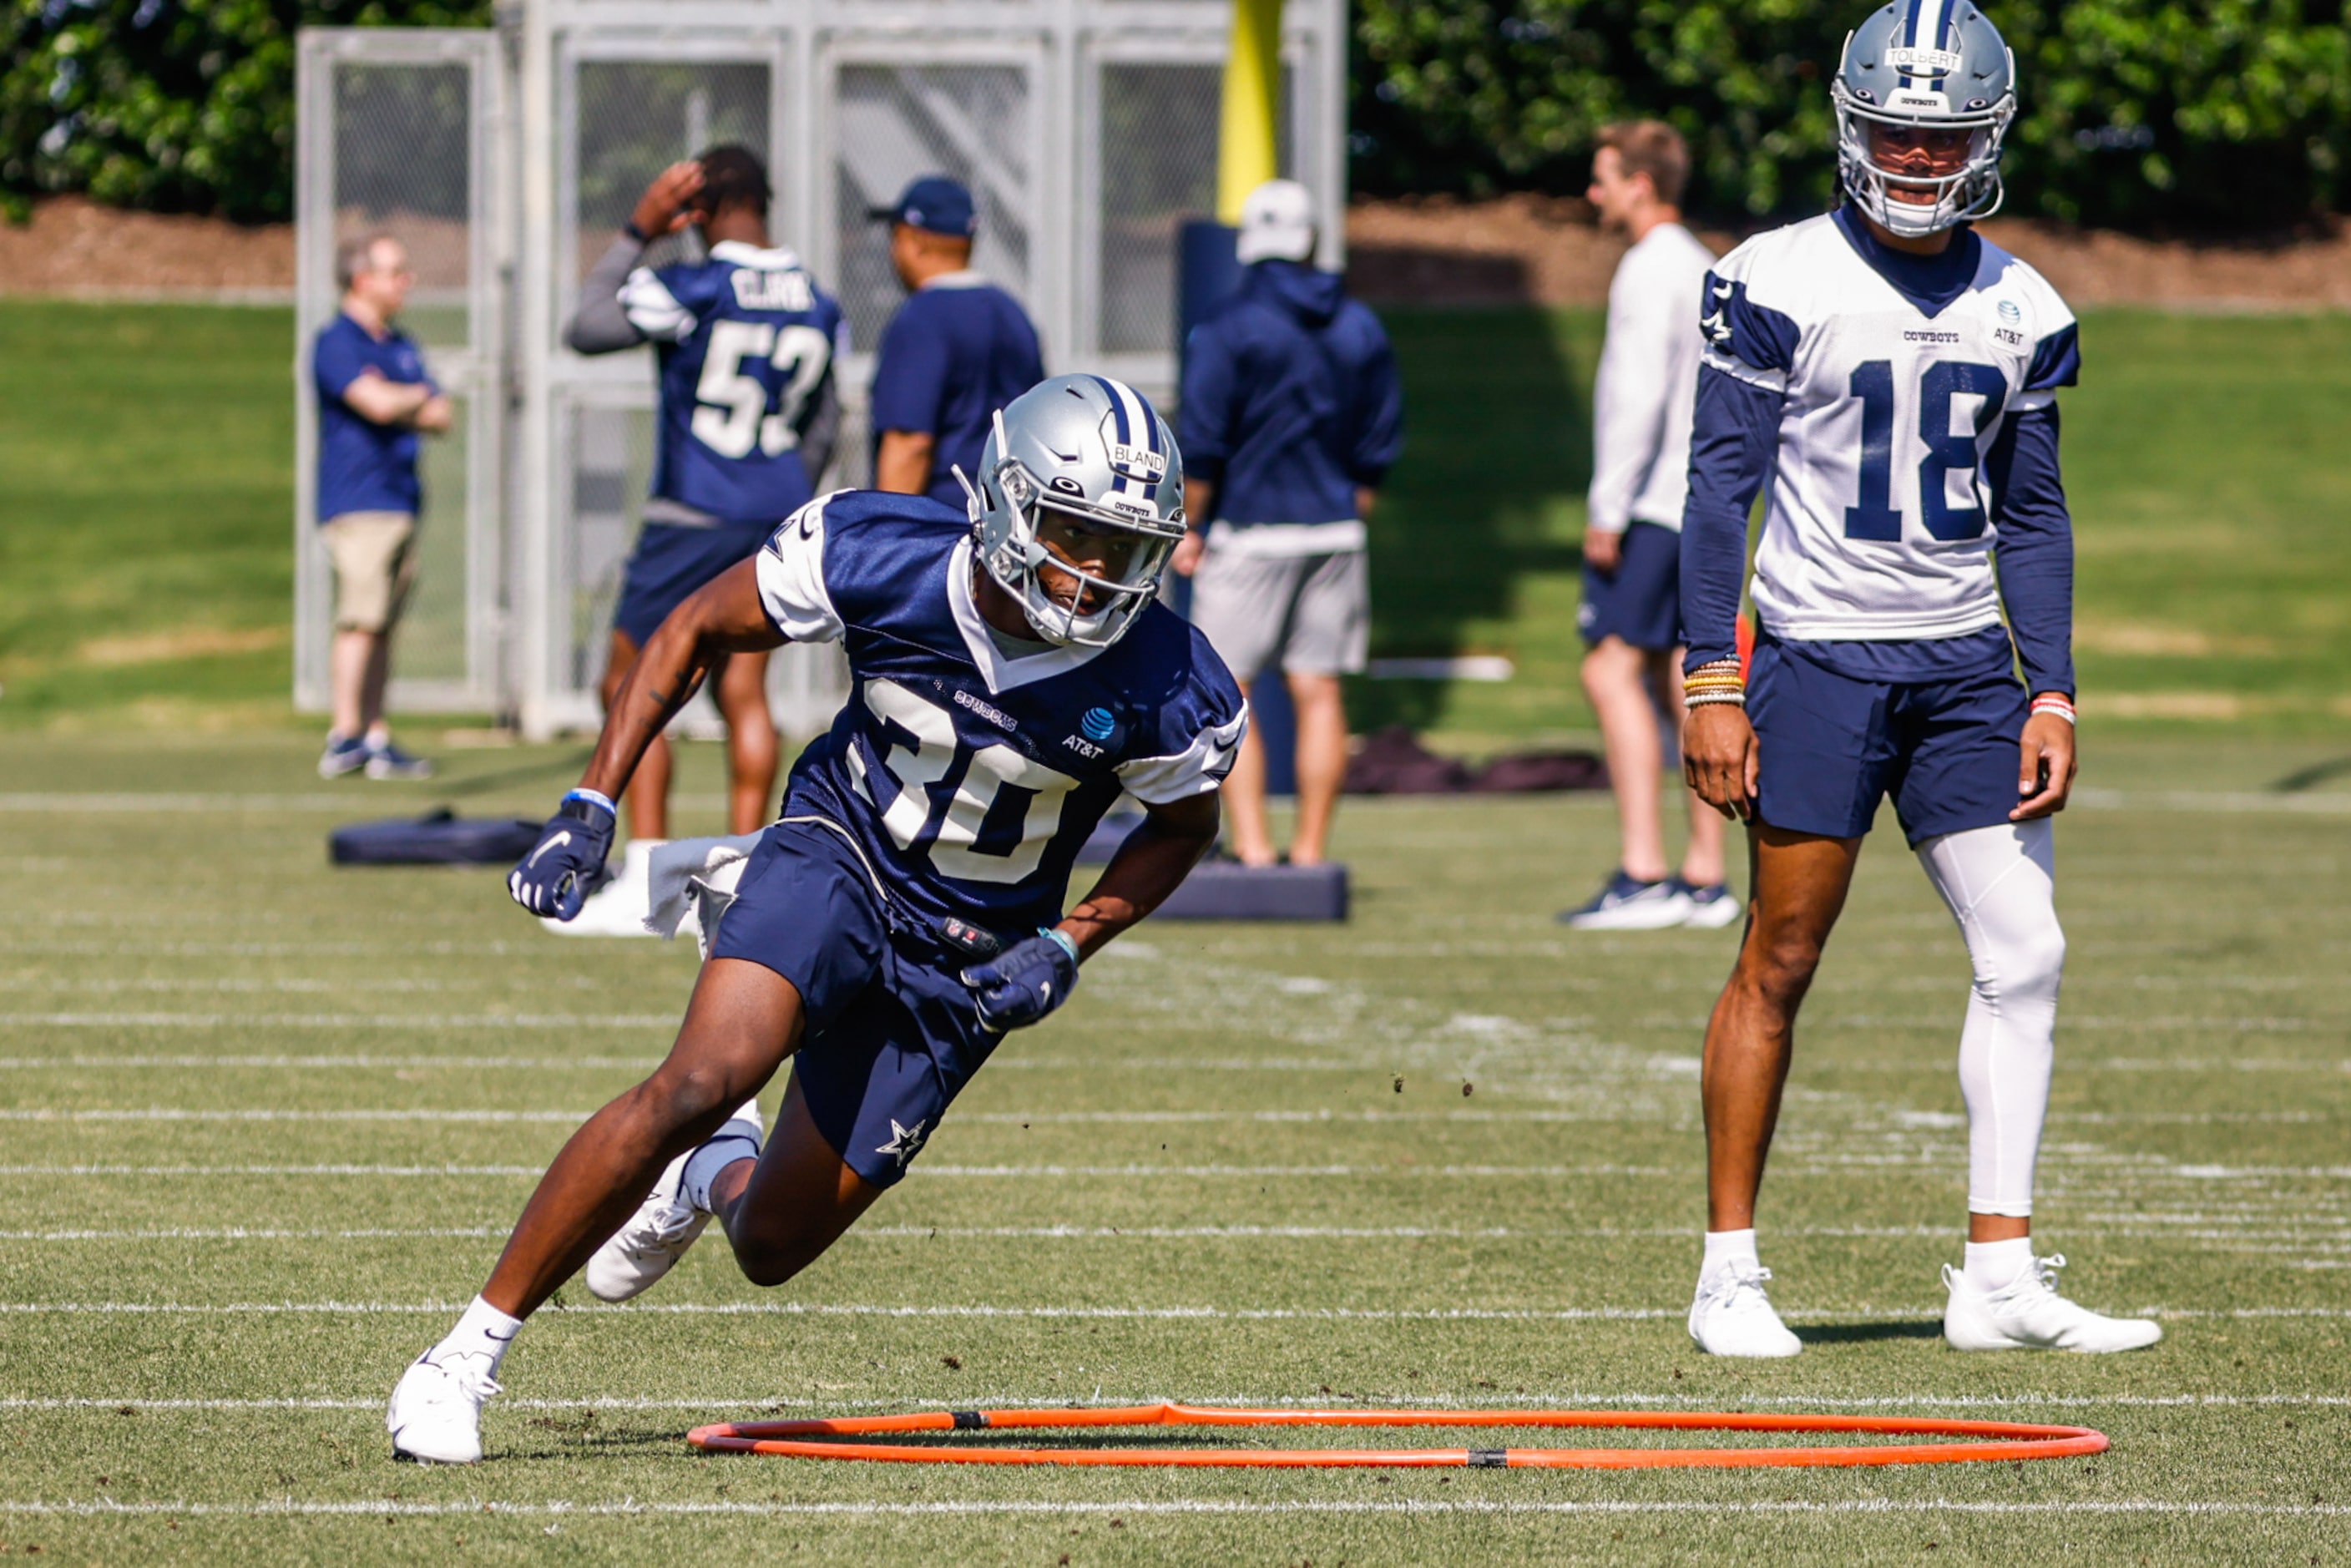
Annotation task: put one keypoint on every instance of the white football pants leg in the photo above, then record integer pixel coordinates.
(2001, 884)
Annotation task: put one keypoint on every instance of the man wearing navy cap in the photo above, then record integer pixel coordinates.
(957, 351)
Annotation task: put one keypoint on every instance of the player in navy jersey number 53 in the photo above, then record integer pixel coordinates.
(1896, 376)
(744, 343)
(1013, 673)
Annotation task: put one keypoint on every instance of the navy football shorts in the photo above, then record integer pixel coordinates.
(1642, 602)
(891, 1039)
(1832, 747)
(670, 562)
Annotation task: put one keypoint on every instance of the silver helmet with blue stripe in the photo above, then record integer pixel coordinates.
(1923, 97)
(1079, 503)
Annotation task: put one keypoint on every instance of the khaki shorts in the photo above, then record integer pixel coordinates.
(1313, 612)
(375, 566)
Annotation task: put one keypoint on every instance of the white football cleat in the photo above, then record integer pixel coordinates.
(651, 1243)
(2029, 1314)
(436, 1408)
(1732, 1316)
(620, 907)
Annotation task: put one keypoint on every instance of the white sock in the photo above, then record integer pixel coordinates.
(1724, 1248)
(1996, 1265)
(482, 1331)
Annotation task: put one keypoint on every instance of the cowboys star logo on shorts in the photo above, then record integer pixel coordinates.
(904, 1142)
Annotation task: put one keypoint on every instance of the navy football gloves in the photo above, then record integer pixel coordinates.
(1026, 981)
(566, 865)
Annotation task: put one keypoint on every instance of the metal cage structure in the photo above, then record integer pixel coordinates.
(1086, 129)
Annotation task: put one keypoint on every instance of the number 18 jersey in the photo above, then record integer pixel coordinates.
(1896, 373)
(965, 777)
(745, 341)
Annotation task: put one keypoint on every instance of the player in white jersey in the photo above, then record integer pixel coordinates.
(1896, 375)
(1631, 613)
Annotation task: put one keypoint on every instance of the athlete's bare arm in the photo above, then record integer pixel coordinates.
(724, 617)
(1149, 866)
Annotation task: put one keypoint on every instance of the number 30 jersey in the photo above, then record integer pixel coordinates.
(1895, 373)
(967, 778)
(746, 342)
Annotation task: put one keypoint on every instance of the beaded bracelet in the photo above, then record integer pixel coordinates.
(1720, 681)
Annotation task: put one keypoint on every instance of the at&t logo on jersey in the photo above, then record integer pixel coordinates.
(1099, 727)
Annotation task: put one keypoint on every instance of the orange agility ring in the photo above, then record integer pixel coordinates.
(819, 1439)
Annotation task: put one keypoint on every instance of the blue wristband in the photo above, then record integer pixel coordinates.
(593, 797)
(1063, 939)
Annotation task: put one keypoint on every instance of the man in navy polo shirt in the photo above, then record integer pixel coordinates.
(374, 395)
(1291, 416)
(957, 351)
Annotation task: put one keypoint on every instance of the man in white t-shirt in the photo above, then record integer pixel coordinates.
(1631, 618)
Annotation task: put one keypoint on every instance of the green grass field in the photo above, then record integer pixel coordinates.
(265, 1123)
(146, 471)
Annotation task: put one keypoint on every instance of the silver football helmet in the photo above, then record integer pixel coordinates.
(1924, 65)
(1080, 480)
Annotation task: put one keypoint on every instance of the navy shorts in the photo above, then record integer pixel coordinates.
(1642, 602)
(891, 1038)
(1832, 747)
(670, 562)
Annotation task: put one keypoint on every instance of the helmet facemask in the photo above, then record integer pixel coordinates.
(1105, 559)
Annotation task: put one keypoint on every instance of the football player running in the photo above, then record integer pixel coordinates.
(1013, 673)
(1896, 374)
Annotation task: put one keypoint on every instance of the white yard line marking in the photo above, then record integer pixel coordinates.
(169, 1114)
(339, 1020)
(316, 1063)
(630, 1507)
(1061, 1398)
(1152, 1314)
(1050, 1233)
(2202, 801)
(318, 1170)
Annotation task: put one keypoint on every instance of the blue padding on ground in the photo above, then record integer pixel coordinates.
(437, 837)
(1223, 890)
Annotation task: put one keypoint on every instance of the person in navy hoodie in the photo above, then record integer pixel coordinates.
(1291, 416)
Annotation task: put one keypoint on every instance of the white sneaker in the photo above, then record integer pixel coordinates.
(651, 1243)
(1708, 908)
(2029, 1314)
(1732, 1316)
(1625, 905)
(436, 1410)
(618, 908)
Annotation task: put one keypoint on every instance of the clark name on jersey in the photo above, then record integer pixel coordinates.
(1879, 521)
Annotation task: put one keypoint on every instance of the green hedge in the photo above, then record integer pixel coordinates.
(178, 105)
(2232, 114)
(2228, 114)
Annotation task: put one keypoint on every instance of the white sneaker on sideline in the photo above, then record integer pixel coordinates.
(1732, 1316)
(651, 1243)
(2029, 1314)
(1708, 908)
(618, 908)
(1625, 905)
(436, 1410)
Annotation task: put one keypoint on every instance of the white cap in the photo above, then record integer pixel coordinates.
(1277, 224)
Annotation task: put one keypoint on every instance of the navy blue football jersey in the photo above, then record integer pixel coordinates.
(746, 342)
(968, 779)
